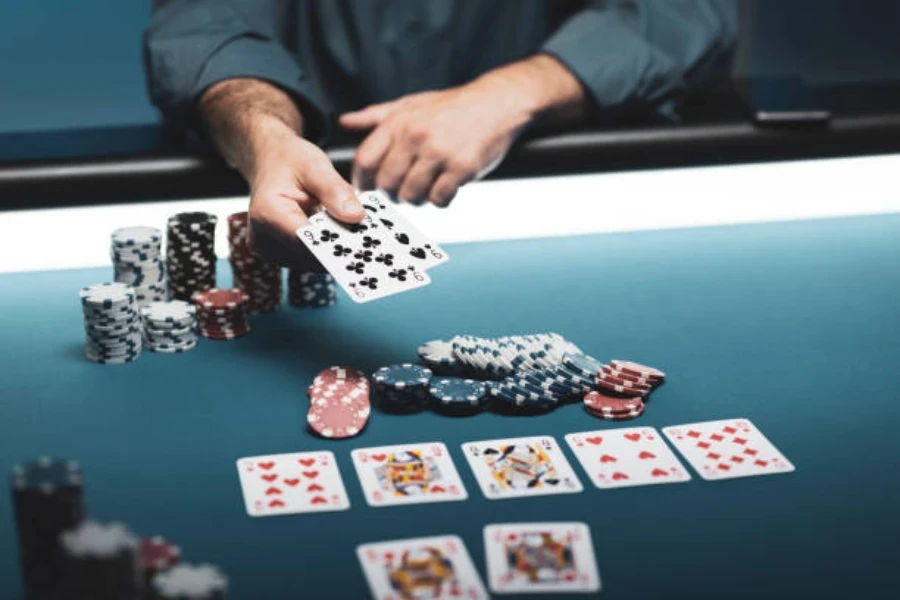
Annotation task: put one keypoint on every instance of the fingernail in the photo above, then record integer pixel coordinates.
(350, 205)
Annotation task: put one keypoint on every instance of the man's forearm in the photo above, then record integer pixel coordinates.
(242, 115)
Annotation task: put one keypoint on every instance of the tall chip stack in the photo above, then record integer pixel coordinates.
(308, 289)
(137, 260)
(258, 278)
(190, 254)
(101, 562)
(48, 499)
(112, 323)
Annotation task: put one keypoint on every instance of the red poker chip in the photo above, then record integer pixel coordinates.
(339, 373)
(218, 335)
(623, 382)
(619, 416)
(638, 369)
(216, 298)
(604, 385)
(337, 419)
(598, 402)
(157, 554)
(629, 377)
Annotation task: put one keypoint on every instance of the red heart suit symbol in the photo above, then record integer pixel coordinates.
(644, 455)
(379, 457)
(318, 500)
(659, 473)
(273, 491)
(634, 437)
(307, 462)
(606, 458)
(619, 476)
(276, 504)
(310, 474)
(438, 489)
(315, 487)
(266, 465)
(270, 477)
(594, 440)
(292, 482)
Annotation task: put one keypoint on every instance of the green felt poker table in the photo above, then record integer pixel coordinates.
(794, 325)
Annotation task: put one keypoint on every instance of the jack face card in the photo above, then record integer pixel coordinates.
(432, 567)
(409, 241)
(513, 468)
(283, 484)
(408, 474)
(540, 558)
(727, 449)
(615, 458)
(362, 257)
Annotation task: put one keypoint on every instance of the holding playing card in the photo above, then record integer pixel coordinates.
(433, 567)
(300, 482)
(540, 557)
(408, 474)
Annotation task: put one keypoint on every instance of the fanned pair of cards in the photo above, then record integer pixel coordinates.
(381, 256)
(521, 558)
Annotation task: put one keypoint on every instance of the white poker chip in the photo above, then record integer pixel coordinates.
(99, 540)
(190, 581)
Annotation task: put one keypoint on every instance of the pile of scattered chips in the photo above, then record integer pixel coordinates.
(102, 561)
(491, 358)
(402, 388)
(197, 582)
(259, 279)
(222, 314)
(308, 289)
(156, 555)
(137, 261)
(543, 389)
(112, 324)
(191, 253)
(169, 327)
(339, 404)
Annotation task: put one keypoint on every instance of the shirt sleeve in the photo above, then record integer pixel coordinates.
(630, 53)
(192, 44)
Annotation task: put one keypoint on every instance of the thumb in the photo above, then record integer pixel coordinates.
(321, 180)
(368, 117)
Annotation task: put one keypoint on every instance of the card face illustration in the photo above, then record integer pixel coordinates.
(299, 482)
(408, 474)
(362, 257)
(727, 449)
(519, 467)
(615, 458)
(409, 242)
(540, 558)
(432, 567)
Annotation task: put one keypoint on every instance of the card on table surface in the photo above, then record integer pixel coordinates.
(517, 467)
(299, 482)
(431, 567)
(363, 258)
(727, 449)
(412, 243)
(408, 474)
(540, 558)
(615, 458)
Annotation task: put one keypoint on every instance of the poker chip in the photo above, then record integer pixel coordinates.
(102, 561)
(308, 289)
(608, 385)
(628, 377)
(190, 254)
(638, 370)
(136, 254)
(256, 277)
(337, 418)
(583, 364)
(155, 555)
(403, 387)
(112, 323)
(598, 402)
(169, 327)
(455, 393)
(193, 582)
(438, 356)
(500, 357)
(222, 314)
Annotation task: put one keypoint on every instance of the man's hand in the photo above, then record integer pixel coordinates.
(257, 128)
(423, 147)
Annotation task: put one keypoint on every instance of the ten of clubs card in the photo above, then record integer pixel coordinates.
(300, 482)
(540, 558)
(615, 458)
(431, 567)
(408, 474)
(727, 449)
(519, 467)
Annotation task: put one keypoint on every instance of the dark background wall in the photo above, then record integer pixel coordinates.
(77, 63)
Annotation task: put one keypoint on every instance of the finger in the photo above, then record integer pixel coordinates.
(274, 220)
(444, 189)
(369, 117)
(394, 167)
(319, 177)
(368, 158)
(418, 181)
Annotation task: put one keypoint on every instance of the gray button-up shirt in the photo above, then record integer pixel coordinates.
(338, 55)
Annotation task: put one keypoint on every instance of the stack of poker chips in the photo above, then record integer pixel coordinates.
(622, 387)
(112, 324)
(137, 261)
(48, 499)
(458, 396)
(402, 388)
(190, 253)
(339, 404)
(222, 314)
(102, 562)
(309, 289)
(169, 327)
(541, 390)
(156, 555)
(194, 582)
(260, 279)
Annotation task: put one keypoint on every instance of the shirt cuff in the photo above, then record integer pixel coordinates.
(252, 56)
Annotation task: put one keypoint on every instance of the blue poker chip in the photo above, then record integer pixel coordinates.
(458, 391)
(583, 364)
(402, 376)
